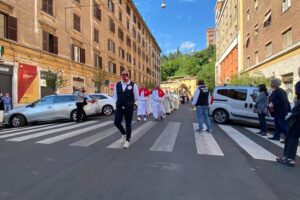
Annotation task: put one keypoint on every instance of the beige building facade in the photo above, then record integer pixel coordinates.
(180, 85)
(228, 35)
(87, 41)
(272, 40)
(210, 37)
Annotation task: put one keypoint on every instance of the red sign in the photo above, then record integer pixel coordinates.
(26, 76)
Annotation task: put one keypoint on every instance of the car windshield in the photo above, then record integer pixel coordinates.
(43, 101)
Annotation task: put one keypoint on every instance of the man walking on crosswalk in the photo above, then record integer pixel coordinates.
(125, 93)
(200, 100)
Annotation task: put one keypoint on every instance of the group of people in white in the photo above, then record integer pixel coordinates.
(155, 102)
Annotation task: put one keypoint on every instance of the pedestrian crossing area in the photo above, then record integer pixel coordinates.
(89, 133)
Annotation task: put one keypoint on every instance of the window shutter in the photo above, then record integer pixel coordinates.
(12, 28)
(55, 45)
(45, 41)
(72, 52)
(82, 55)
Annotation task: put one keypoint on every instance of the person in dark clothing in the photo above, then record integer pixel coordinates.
(1, 101)
(79, 95)
(262, 104)
(126, 93)
(200, 100)
(291, 142)
(280, 107)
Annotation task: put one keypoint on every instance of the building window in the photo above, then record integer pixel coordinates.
(76, 24)
(139, 26)
(133, 32)
(134, 19)
(128, 41)
(111, 6)
(268, 19)
(48, 6)
(111, 25)
(256, 57)
(256, 30)
(78, 1)
(50, 43)
(112, 67)
(248, 15)
(269, 49)
(286, 4)
(121, 53)
(255, 4)
(8, 27)
(128, 10)
(97, 11)
(111, 46)
(120, 2)
(96, 35)
(98, 62)
(120, 16)
(287, 38)
(128, 58)
(78, 54)
(121, 34)
(122, 68)
(247, 41)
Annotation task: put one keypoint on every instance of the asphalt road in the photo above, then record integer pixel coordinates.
(167, 160)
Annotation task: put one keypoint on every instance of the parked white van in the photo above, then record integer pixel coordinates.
(235, 103)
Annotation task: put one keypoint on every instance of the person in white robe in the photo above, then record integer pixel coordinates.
(142, 103)
(158, 97)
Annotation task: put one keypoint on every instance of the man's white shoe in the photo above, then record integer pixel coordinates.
(145, 119)
(139, 119)
(123, 139)
(126, 145)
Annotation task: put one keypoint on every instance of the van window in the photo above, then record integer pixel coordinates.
(98, 97)
(236, 94)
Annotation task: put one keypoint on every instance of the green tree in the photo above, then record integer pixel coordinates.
(55, 79)
(247, 79)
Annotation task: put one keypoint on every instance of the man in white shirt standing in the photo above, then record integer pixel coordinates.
(201, 101)
(125, 93)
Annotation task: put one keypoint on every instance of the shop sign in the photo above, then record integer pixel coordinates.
(6, 69)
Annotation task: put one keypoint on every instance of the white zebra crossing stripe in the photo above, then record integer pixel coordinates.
(166, 141)
(73, 133)
(35, 135)
(23, 128)
(34, 130)
(206, 144)
(95, 138)
(136, 134)
(253, 149)
(254, 130)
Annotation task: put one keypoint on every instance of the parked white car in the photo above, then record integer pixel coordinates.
(107, 104)
(235, 103)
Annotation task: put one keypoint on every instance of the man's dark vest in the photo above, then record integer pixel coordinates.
(203, 96)
(126, 98)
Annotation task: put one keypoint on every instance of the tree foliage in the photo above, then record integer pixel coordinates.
(55, 79)
(199, 63)
(247, 79)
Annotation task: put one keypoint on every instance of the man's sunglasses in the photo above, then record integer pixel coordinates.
(124, 74)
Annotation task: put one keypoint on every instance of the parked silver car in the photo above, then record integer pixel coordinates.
(49, 108)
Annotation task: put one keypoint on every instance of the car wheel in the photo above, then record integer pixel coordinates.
(220, 116)
(17, 121)
(73, 116)
(107, 110)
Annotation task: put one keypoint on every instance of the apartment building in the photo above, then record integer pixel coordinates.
(272, 40)
(210, 37)
(79, 38)
(228, 35)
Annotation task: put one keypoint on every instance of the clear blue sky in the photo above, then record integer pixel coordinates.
(182, 24)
